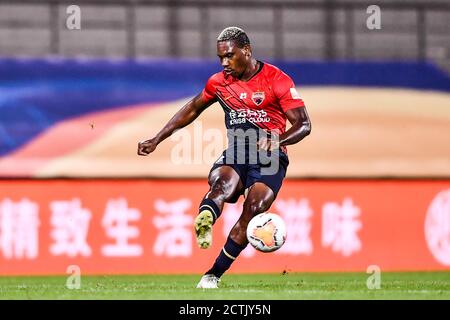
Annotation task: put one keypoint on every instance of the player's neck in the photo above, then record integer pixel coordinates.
(251, 70)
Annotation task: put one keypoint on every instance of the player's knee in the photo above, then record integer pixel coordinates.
(256, 206)
(252, 207)
(222, 189)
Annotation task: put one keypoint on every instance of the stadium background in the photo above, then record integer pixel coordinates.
(370, 186)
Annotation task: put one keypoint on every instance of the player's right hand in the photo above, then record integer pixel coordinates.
(146, 147)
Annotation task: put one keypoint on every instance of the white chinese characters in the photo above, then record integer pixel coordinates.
(340, 226)
(116, 223)
(297, 216)
(19, 224)
(70, 228)
(175, 228)
(171, 226)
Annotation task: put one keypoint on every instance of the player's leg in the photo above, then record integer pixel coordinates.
(225, 184)
(259, 199)
(262, 191)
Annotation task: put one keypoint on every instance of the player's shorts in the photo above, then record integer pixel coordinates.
(250, 173)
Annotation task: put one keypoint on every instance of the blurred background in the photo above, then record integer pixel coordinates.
(82, 82)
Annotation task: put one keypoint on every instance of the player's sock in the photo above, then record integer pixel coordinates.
(210, 205)
(229, 253)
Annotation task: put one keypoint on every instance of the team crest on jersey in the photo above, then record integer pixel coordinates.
(258, 97)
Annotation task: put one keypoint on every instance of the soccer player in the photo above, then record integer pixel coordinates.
(257, 98)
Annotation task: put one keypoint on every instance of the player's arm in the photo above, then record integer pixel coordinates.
(301, 126)
(295, 111)
(188, 113)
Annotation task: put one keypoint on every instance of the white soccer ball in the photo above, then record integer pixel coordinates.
(266, 232)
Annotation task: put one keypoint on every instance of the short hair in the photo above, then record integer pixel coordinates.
(234, 34)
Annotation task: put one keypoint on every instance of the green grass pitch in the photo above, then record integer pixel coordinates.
(291, 286)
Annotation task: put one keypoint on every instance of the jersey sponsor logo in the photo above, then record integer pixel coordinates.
(238, 121)
(294, 94)
(258, 97)
(243, 115)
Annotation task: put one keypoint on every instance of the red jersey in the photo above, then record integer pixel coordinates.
(261, 101)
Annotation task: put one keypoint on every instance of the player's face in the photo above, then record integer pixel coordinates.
(234, 60)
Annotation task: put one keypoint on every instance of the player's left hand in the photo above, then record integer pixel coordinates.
(268, 144)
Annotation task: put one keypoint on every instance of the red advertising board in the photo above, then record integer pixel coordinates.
(145, 226)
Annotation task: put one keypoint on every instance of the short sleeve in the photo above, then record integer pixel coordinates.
(285, 91)
(209, 91)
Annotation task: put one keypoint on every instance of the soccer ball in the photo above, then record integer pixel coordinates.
(266, 232)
